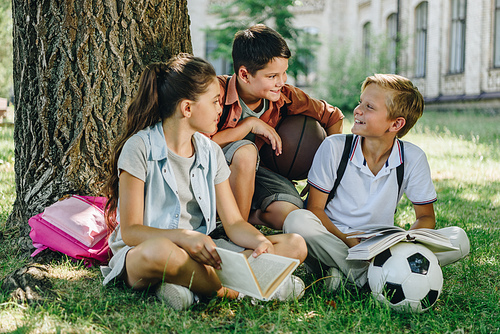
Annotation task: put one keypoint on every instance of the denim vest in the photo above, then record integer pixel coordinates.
(161, 201)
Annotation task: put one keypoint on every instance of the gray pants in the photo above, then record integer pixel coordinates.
(327, 250)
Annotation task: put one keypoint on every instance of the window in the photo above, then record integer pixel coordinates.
(420, 39)
(392, 36)
(457, 42)
(496, 61)
(366, 41)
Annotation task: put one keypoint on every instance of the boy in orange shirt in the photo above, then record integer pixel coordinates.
(254, 99)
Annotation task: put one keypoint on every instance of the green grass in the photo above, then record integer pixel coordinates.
(464, 157)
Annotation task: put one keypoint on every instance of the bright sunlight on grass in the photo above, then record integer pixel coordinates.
(463, 153)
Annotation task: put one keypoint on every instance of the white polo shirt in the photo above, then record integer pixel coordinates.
(364, 200)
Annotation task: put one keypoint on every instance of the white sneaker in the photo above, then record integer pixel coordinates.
(291, 289)
(332, 279)
(176, 296)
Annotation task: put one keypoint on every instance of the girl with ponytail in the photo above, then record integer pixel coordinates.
(167, 184)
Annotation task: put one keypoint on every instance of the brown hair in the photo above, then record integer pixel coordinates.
(256, 46)
(404, 99)
(161, 87)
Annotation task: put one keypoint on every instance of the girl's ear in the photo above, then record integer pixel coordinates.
(185, 106)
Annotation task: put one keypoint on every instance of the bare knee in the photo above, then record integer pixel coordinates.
(281, 208)
(297, 246)
(290, 245)
(276, 213)
(160, 260)
(245, 159)
(155, 259)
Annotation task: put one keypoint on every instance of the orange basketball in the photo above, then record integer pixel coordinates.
(301, 137)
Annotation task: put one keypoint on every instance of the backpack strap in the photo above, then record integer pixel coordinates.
(342, 166)
(400, 170)
(225, 109)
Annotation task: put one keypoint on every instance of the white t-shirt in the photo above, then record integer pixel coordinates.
(364, 200)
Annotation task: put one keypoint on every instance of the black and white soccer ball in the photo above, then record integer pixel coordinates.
(407, 277)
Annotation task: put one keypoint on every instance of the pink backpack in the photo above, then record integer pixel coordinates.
(74, 226)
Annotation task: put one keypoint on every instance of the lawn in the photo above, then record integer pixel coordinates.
(463, 153)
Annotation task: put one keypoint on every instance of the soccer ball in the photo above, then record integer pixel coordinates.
(407, 277)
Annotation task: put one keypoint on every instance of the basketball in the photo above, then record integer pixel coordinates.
(300, 137)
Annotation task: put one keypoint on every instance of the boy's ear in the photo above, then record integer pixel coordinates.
(243, 74)
(398, 124)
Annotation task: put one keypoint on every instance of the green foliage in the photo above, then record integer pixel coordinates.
(238, 15)
(5, 48)
(462, 150)
(347, 69)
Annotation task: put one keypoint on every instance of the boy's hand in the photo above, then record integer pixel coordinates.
(201, 248)
(351, 242)
(267, 132)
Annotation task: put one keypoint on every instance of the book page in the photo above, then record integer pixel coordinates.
(368, 248)
(269, 268)
(432, 239)
(236, 274)
(382, 230)
(246, 275)
(380, 240)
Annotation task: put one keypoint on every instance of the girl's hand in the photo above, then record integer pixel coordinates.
(263, 247)
(201, 248)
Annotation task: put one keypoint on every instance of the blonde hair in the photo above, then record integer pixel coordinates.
(404, 99)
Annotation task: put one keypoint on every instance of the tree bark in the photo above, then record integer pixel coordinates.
(76, 68)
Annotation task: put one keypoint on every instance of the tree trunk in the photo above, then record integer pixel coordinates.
(76, 68)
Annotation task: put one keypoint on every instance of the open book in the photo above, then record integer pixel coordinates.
(381, 238)
(257, 277)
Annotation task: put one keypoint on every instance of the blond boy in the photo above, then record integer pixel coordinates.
(368, 192)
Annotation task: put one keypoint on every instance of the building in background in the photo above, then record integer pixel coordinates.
(449, 48)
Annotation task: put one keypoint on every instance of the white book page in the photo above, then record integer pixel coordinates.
(368, 248)
(382, 230)
(236, 273)
(381, 239)
(267, 268)
(434, 240)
